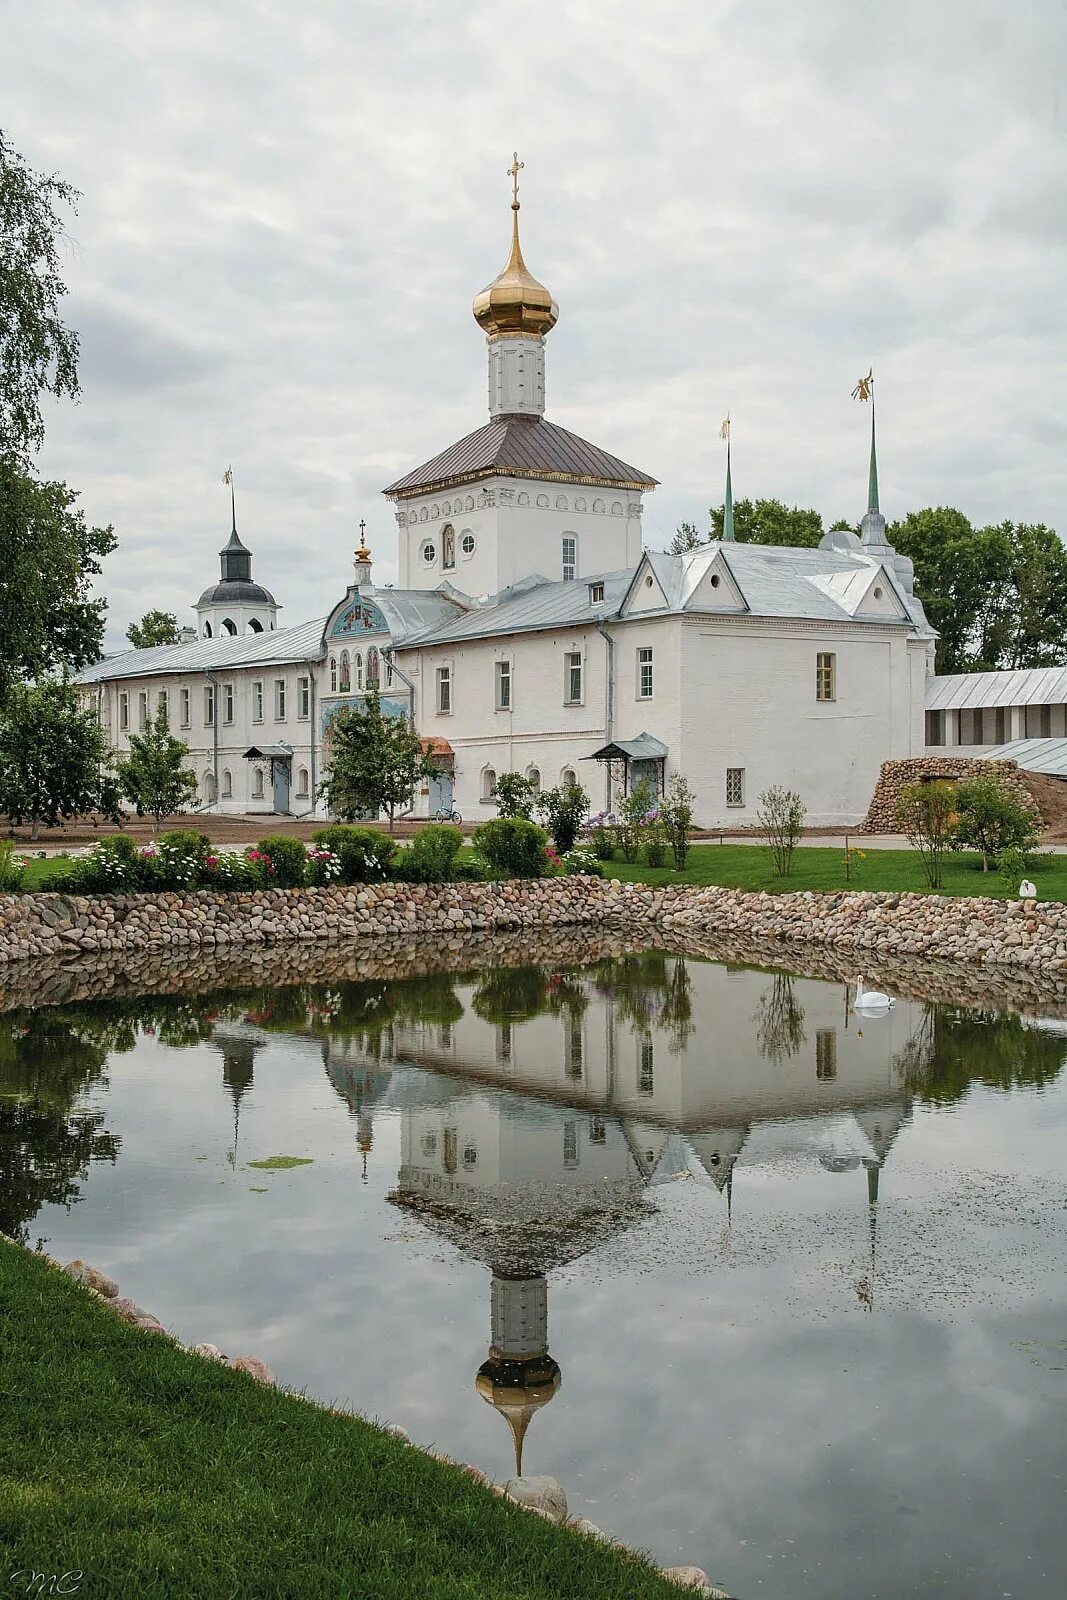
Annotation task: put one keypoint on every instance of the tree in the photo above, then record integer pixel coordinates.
(925, 814)
(992, 818)
(155, 627)
(996, 595)
(154, 777)
(48, 557)
(770, 522)
(514, 795)
(375, 761)
(780, 814)
(563, 811)
(688, 537)
(676, 817)
(53, 757)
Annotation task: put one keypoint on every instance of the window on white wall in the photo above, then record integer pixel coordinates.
(444, 691)
(826, 675)
(568, 778)
(533, 778)
(302, 784)
(124, 709)
(735, 786)
(303, 698)
(570, 557)
(488, 783)
(503, 685)
(142, 710)
(185, 708)
(209, 705)
(333, 674)
(644, 673)
(357, 671)
(257, 783)
(227, 784)
(429, 553)
(163, 704)
(279, 699)
(227, 702)
(257, 700)
(467, 544)
(572, 678)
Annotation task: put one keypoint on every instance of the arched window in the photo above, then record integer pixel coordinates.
(568, 779)
(346, 673)
(209, 788)
(257, 783)
(448, 545)
(229, 626)
(207, 630)
(488, 782)
(372, 666)
(533, 778)
(302, 784)
(333, 674)
(357, 672)
(227, 784)
(254, 625)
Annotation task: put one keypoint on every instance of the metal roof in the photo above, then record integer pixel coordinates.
(1033, 755)
(410, 611)
(532, 607)
(966, 691)
(646, 747)
(279, 648)
(521, 447)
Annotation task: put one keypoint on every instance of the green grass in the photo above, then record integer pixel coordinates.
(155, 1473)
(47, 874)
(749, 866)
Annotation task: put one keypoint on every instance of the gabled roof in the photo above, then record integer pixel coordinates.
(532, 606)
(1029, 686)
(283, 646)
(1033, 755)
(521, 447)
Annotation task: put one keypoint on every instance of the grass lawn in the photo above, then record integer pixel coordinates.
(749, 866)
(155, 1473)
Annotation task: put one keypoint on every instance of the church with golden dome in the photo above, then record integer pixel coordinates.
(531, 630)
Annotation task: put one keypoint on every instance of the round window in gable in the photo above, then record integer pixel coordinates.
(649, 581)
(715, 580)
(467, 544)
(878, 593)
(429, 553)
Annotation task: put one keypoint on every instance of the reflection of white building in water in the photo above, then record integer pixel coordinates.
(609, 1100)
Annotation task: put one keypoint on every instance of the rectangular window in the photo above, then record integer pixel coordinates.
(570, 557)
(444, 691)
(124, 710)
(163, 704)
(227, 702)
(503, 685)
(826, 1054)
(257, 700)
(596, 594)
(572, 678)
(646, 1070)
(826, 675)
(575, 1050)
(570, 1144)
(186, 705)
(303, 698)
(644, 673)
(142, 710)
(209, 705)
(279, 699)
(735, 786)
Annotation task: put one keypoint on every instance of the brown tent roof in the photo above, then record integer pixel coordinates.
(521, 447)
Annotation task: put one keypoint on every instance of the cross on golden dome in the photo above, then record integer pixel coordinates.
(362, 554)
(513, 173)
(515, 303)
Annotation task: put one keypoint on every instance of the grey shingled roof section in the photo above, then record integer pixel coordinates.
(1033, 755)
(1027, 686)
(529, 609)
(524, 447)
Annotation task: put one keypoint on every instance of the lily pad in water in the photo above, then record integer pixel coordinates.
(281, 1163)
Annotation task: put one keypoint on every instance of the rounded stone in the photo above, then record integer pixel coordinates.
(255, 1368)
(538, 1493)
(92, 1278)
(210, 1352)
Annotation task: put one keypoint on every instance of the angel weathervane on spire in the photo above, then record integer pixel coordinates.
(513, 173)
(864, 389)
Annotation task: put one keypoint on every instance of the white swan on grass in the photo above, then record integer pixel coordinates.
(1027, 890)
(871, 999)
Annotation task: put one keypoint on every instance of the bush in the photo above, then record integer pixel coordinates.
(323, 866)
(364, 853)
(513, 847)
(230, 870)
(926, 813)
(11, 867)
(472, 868)
(289, 859)
(563, 811)
(432, 856)
(992, 818)
(656, 850)
(514, 795)
(780, 814)
(582, 862)
(187, 842)
(637, 813)
(601, 839)
(111, 867)
(676, 818)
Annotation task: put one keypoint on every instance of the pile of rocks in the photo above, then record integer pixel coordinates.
(895, 775)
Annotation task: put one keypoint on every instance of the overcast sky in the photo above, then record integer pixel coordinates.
(738, 204)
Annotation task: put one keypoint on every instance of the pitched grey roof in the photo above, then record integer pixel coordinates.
(966, 691)
(1033, 755)
(285, 645)
(532, 606)
(410, 611)
(521, 447)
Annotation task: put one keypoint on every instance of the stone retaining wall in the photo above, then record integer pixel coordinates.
(1011, 933)
(881, 813)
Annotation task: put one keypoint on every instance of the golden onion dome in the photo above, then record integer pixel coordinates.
(515, 302)
(518, 1391)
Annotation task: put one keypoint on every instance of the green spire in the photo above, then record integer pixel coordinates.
(872, 484)
(728, 509)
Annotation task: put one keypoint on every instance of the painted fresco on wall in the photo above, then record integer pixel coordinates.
(361, 616)
(390, 704)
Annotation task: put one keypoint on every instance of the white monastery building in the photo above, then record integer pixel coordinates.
(531, 631)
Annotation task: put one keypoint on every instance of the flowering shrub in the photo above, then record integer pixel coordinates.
(364, 853)
(582, 862)
(637, 814)
(229, 870)
(263, 867)
(288, 858)
(323, 866)
(599, 830)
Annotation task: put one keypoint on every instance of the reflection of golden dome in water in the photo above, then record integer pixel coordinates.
(518, 1390)
(515, 302)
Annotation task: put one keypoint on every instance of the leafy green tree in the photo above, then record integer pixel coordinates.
(688, 537)
(993, 818)
(48, 557)
(155, 627)
(514, 795)
(676, 817)
(154, 777)
(53, 757)
(780, 814)
(375, 761)
(770, 522)
(563, 811)
(926, 813)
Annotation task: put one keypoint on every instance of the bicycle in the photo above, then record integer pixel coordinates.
(449, 814)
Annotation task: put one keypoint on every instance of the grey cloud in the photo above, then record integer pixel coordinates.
(125, 352)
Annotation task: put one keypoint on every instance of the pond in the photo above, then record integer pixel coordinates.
(769, 1286)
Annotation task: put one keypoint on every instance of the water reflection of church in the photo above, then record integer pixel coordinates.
(619, 1083)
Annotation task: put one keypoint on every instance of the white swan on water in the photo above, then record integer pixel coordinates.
(871, 999)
